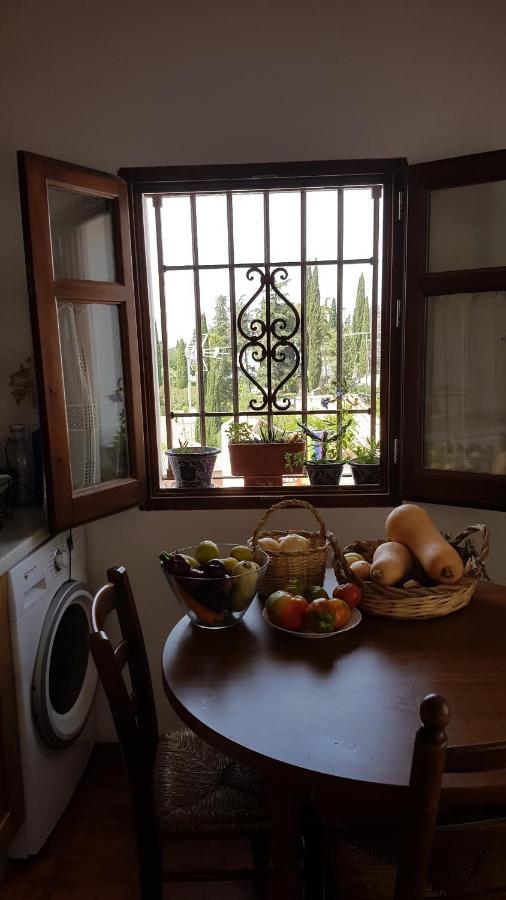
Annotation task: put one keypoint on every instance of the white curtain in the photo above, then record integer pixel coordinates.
(465, 383)
(81, 392)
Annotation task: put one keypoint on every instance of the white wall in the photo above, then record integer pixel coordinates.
(110, 84)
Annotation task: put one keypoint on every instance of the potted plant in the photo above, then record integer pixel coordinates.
(324, 468)
(263, 458)
(192, 466)
(365, 465)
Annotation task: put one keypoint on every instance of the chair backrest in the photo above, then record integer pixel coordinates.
(133, 710)
(429, 847)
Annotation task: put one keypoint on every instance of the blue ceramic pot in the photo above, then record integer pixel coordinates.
(365, 473)
(327, 473)
(193, 468)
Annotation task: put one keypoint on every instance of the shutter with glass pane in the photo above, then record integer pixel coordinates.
(83, 316)
(455, 360)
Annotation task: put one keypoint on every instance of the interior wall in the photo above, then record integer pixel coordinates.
(108, 84)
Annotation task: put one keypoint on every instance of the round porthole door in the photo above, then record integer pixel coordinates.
(64, 678)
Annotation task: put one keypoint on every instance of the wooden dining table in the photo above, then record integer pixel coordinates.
(336, 718)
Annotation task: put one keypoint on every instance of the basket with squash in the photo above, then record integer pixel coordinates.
(416, 573)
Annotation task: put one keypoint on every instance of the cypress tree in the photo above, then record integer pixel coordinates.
(181, 365)
(333, 314)
(361, 328)
(314, 330)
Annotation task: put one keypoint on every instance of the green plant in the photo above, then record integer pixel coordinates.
(22, 383)
(368, 453)
(183, 447)
(294, 460)
(242, 433)
(325, 439)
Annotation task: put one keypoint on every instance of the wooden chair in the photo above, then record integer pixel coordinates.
(426, 854)
(181, 789)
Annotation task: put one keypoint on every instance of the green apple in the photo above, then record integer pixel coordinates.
(242, 553)
(191, 559)
(246, 584)
(207, 550)
(230, 563)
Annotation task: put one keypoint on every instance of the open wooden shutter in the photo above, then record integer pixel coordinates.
(77, 245)
(454, 406)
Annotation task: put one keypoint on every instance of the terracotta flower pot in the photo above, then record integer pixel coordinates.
(263, 463)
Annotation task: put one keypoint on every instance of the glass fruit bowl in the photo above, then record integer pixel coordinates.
(218, 601)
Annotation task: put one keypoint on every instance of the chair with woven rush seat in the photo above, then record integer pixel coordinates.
(181, 788)
(429, 854)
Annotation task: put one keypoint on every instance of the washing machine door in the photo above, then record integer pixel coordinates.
(64, 677)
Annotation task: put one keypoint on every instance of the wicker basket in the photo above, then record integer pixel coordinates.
(415, 602)
(308, 565)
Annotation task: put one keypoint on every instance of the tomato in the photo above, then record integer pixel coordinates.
(286, 611)
(342, 611)
(349, 592)
(320, 616)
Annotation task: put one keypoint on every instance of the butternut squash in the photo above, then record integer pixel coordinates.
(413, 527)
(390, 563)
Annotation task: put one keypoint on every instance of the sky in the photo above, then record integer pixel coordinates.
(285, 245)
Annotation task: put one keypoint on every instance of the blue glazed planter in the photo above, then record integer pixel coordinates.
(326, 474)
(194, 467)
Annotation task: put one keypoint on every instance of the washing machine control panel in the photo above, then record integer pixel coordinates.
(58, 559)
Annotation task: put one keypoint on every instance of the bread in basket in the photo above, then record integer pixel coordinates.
(307, 565)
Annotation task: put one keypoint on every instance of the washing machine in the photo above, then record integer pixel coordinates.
(56, 681)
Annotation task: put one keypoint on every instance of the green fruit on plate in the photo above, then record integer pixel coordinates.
(229, 562)
(314, 592)
(205, 551)
(242, 553)
(295, 586)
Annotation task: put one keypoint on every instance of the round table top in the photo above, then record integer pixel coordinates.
(345, 707)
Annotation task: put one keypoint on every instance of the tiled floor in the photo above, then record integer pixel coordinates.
(91, 853)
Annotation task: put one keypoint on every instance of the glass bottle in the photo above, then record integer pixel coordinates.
(19, 461)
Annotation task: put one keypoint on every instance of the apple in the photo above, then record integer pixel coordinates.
(348, 592)
(230, 563)
(205, 551)
(242, 553)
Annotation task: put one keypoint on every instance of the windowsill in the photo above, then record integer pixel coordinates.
(231, 482)
(235, 496)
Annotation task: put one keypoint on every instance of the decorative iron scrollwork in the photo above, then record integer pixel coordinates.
(270, 341)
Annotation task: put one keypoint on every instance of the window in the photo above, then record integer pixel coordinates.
(83, 312)
(455, 360)
(270, 311)
(271, 297)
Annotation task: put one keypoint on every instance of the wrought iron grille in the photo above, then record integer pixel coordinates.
(268, 347)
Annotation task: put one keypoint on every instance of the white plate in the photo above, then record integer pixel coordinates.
(353, 621)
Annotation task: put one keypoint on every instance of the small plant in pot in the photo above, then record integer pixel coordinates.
(324, 468)
(262, 458)
(192, 467)
(365, 465)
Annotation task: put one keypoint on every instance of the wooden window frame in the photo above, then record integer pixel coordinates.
(67, 507)
(455, 488)
(392, 174)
